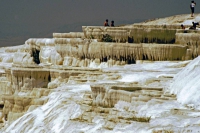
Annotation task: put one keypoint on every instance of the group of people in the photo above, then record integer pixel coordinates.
(194, 25)
(192, 5)
(111, 24)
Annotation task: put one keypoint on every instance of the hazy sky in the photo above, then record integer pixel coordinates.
(70, 11)
(31, 17)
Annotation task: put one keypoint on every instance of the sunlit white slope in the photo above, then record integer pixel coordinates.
(184, 19)
(186, 84)
(55, 116)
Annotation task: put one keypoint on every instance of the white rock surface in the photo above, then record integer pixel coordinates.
(82, 85)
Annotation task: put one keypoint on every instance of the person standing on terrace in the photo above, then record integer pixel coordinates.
(106, 23)
(192, 5)
(112, 23)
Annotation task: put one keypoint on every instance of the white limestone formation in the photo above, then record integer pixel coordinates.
(49, 55)
(64, 50)
(135, 78)
(188, 93)
(69, 35)
(192, 41)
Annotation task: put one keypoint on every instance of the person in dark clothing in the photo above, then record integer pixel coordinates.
(192, 5)
(106, 23)
(194, 26)
(182, 26)
(112, 23)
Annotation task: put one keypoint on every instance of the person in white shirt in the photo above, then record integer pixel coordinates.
(192, 5)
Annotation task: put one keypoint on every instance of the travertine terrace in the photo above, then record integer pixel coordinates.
(130, 78)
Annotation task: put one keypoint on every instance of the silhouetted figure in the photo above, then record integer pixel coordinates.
(106, 23)
(112, 23)
(194, 26)
(182, 26)
(192, 5)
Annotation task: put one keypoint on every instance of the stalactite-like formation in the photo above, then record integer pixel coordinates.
(69, 35)
(45, 65)
(75, 51)
(154, 43)
(192, 40)
(132, 35)
(23, 79)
